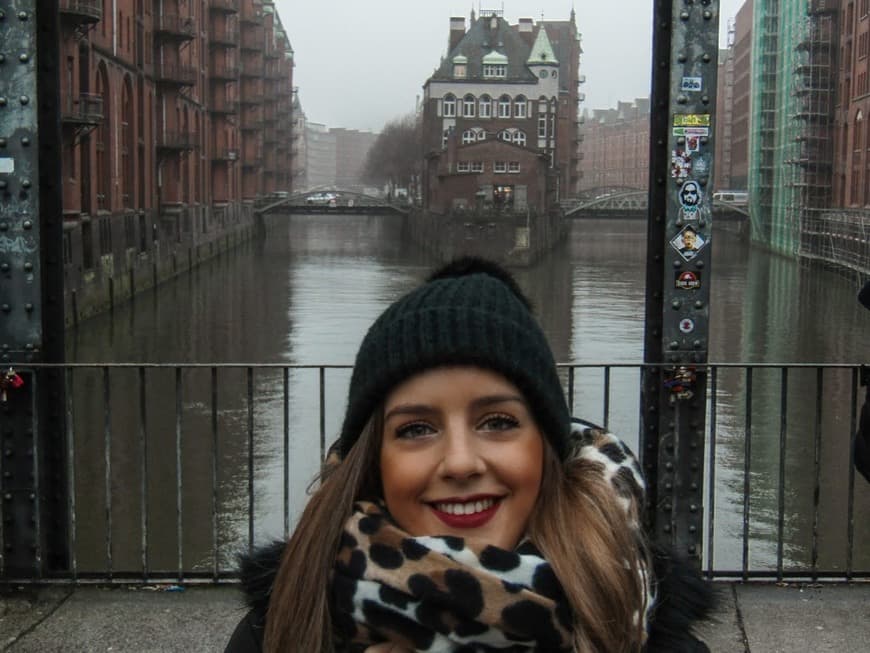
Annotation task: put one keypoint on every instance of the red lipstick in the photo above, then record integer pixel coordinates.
(473, 520)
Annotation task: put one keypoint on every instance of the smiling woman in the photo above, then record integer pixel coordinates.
(462, 509)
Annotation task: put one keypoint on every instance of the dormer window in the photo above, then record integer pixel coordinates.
(494, 71)
(460, 67)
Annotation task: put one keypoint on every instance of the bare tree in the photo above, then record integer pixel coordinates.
(395, 158)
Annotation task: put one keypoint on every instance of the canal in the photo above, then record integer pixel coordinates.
(305, 295)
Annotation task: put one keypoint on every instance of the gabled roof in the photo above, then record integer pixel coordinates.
(481, 40)
(542, 50)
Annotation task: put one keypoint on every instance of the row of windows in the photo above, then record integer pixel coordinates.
(486, 107)
(498, 167)
(512, 135)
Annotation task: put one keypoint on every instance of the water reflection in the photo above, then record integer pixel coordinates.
(306, 294)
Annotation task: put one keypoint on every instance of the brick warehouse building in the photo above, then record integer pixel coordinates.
(500, 115)
(616, 146)
(176, 117)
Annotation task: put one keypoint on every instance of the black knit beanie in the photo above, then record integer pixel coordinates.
(471, 312)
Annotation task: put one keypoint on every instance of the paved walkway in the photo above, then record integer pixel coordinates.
(754, 618)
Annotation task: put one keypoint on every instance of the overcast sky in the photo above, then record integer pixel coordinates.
(360, 63)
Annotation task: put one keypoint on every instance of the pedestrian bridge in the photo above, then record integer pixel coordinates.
(343, 202)
(632, 203)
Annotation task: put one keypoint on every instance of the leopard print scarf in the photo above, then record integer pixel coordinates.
(443, 593)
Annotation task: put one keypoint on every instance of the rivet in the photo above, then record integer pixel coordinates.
(681, 57)
(25, 183)
(676, 304)
(8, 453)
(7, 496)
(32, 496)
(24, 99)
(25, 141)
(5, 308)
(22, 15)
(4, 267)
(2, 101)
(702, 222)
(23, 57)
(678, 263)
(705, 58)
(4, 226)
(699, 304)
(697, 344)
(704, 140)
(28, 347)
(681, 140)
(28, 307)
(2, 142)
(667, 528)
(699, 264)
(669, 486)
(703, 181)
(28, 266)
(684, 15)
(682, 99)
(693, 528)
(692, 548)
(707, 14)
(694, 467)
(2, 15)
(27, 224)
(705, 99)
(2, 58)
(2, 184)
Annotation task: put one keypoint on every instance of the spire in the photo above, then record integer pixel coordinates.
(542, 50)
(573, 14)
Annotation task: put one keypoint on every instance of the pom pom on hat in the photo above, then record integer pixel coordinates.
(469, 312)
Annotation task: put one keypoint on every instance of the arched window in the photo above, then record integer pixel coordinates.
(104, 131)
(519, 137)
(449, 106)
(505, 135)
(468, 136)
(504, 107)
(857, 135)
(127, 145)
(468, 106)
(481, 134)
(444, 137)
(520, 106)
(485, 107)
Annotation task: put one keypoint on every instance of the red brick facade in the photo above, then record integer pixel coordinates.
(615, 147)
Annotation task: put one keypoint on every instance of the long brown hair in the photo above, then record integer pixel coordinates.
(578, 524)
(595, 549)
(298, 616)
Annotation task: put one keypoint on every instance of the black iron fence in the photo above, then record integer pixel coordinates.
(175, 469)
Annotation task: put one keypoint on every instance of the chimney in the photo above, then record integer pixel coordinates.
(526, 30)
(457, 31)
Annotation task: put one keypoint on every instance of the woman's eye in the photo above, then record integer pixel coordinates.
(414, 430)
(499, 423)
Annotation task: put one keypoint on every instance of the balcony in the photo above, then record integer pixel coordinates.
(225, 154)
(84, 111)
(224, 73)
(224, 37)
(255, 18)
(176, 141)
(224, 6)
(82, 12)
(220, 105)
(173, 75)
(174, 28)
(252, 98)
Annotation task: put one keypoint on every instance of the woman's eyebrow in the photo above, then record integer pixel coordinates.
(482, 402)
(409, 409)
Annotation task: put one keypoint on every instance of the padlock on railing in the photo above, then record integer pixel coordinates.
(9, 380)
(680, 381)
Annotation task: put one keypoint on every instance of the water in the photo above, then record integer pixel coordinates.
(306, 295)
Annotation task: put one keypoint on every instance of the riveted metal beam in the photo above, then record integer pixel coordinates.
(685, 59)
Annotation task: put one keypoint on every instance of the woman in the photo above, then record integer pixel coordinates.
(462, 509)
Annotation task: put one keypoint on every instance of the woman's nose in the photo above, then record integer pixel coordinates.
(461, 458)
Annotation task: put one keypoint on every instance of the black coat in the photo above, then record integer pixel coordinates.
(862, 437)
(683, 598)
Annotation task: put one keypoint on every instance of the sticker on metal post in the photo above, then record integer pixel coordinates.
(691, 131)
(681, 164)
(691, 84)
(688, 242)
(687, 325)
(687, 279)
(7, 165)
(692, 120)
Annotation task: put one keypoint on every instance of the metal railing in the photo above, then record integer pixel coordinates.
(174, 469)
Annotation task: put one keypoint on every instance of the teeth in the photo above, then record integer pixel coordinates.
(465, 508)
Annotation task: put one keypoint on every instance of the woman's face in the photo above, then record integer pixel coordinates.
(461, 455)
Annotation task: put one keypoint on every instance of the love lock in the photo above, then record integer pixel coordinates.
(9, 380)
(681, 382)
